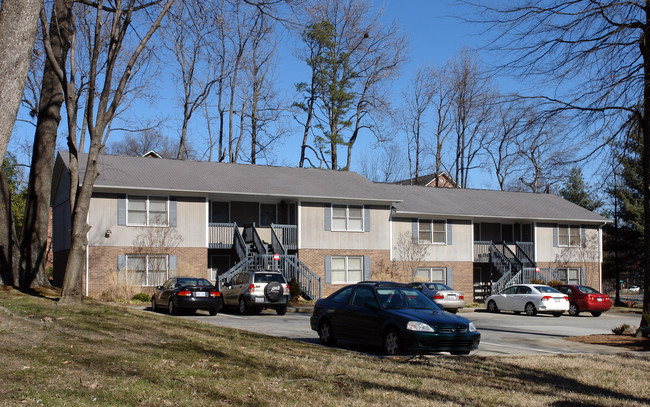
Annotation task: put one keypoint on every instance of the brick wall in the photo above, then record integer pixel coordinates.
(592, 271)
(102, 264)
(381, 268)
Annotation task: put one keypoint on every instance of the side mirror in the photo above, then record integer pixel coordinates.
(160, 288)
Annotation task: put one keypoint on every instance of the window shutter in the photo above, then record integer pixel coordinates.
(366, 219)
(415, 229)
(449, 233)
(583, 236)
(121, 211)
(172, 211)
(173, 265)
(328, 269)
(450, 282)
(555, 236)
(328, 216)
(583, 277)
(121, 267)
(366, 268)
(414, 271)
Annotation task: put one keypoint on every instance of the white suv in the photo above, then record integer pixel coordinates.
(253, 291)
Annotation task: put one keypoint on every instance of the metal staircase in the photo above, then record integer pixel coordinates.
(510, 265)
(254, 254)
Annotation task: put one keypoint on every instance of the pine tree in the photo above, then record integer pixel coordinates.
(575, 190)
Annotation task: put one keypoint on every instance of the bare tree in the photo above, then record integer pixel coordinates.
(140, 143)
(383, 164)
(18, 26)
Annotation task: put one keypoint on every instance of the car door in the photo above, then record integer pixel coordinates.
(520, 299)
(338, 310)
(506, 298)
(168, 288)
(229, 291)
(362, 320)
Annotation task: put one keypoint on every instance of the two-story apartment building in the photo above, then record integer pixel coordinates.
(152, 218)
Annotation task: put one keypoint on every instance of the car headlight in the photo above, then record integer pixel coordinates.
(471, 327)
(419, 326)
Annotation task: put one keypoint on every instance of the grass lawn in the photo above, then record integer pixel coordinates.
(99, 354)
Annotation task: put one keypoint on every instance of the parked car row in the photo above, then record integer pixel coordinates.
(538, 298)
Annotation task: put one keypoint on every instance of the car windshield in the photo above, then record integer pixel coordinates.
(268, 277)
(193, 281)
(437, 286)
(545, 289)
(587, 290)
(404, 298)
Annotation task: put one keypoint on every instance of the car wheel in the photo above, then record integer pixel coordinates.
(574, 311)
(530, 309)
(154, 307)
(243, 308)
(492, 306)
(213, 311)
(273, 291)
(596, 314)
(459, 352)
(281, 310)
(453, 311)
(325, 333)
(557, 314)
(171, 308)
(392, 342)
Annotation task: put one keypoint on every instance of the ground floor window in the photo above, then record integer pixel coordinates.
(147, 270)
(432, 274)
(569, 275)
(347, 269)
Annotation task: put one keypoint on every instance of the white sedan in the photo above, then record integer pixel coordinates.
(529, 298)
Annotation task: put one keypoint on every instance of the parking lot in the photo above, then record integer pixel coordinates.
(501, 334)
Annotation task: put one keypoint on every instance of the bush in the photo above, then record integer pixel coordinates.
(294, 289)
(140, 297)
(537, 281)
(121, 286)
(623, 329)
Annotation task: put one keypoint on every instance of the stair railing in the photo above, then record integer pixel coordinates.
(251, 236)
(239, 244)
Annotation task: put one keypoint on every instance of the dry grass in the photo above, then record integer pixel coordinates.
(112, 355)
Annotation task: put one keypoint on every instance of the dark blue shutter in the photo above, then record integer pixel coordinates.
(366, 268)
(583, 236)
(173, 265)
(449, 233)
(366, 219)
(415, 230)
(172, 211)
(450, 282)
(328, 269)
(121, 211)
(328, 216)
(555, 236)
(121, 262)
(583, 277)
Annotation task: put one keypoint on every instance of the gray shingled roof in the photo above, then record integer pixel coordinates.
(487, 204)
(186, 176)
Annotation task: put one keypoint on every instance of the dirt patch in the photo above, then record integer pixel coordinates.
(630, 342)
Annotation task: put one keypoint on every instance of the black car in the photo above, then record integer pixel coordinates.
(397, 317)
(187, 293)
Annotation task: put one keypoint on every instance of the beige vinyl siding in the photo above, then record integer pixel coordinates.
(191, 222)
(546, 252)
(314, 236)
(460, 249)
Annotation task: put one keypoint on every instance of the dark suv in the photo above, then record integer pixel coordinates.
(253, 291)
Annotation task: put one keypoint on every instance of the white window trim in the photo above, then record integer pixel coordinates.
(569, 227)
(148, 197)
(567, 281)
(430, 272)
(432, 221)
(347, 218)
(146, 266)
(347, 269)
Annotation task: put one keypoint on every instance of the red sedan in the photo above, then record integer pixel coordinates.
(583, 298)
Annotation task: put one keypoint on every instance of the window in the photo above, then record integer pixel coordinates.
(146, 270)
(347, 269)
(343, 296)
(267, 214)
(147, 211)
(347, 218)
(568, 235)
(432, 231)
(365, 297)
(432, 274)
(219, 212)
(569, 275)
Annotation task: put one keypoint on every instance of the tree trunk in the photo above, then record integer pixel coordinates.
(34, 241)
(9, 253)
(18, 24)
(645, 128)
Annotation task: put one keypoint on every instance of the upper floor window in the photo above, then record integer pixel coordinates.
(268, 214)
(432, 231)
(347, 218)
(568, 235)
(147, 211)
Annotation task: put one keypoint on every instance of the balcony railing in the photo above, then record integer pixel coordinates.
(220, 235)
(287, 235)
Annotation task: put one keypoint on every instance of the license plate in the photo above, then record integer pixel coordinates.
(599, 299)
(451, 296)
(200, 294)
(259, 299)
(558, 299)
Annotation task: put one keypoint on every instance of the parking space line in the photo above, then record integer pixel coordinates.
(520, 347)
